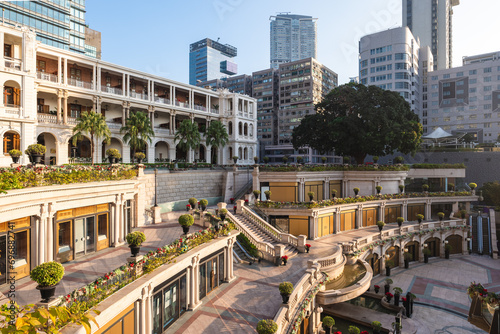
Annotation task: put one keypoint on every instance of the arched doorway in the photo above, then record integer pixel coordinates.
(81, 151)
(455, 241)
(114, 143)
(433, 245)
(392, 254)
(161, 152)
(374, 261)
(49, 141)
(180, 154)
(413, 249)
(11, 141)
(201, 154)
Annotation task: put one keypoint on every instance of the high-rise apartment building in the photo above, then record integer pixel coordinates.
(293, 37)
(210, 60)
(241, 84)
(431, 22)
(59, 23)
(390, 60)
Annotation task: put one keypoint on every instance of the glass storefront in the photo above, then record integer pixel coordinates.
(19, 232)
(169, 303)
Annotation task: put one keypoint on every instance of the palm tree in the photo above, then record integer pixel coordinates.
(216, 136)
(187, 135)
(138, 131)
(94, 125)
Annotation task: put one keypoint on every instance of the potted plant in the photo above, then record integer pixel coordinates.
(353, 330)
(193, 201)
(232, 200)
(222, 214)
(15, 154)
(473, 186)
(463, 214)
(440, 216)
(308, 246)
(427, 252)
(401, 188)
(356, 191)
(134, 240)
(399, 160)
(268, 194)
(451, 187)
(328, 322)
(299, 160)
(324, 159)
(379, 189)
(188, 207)
(388, 265)
(346, 160)
(377, 327)
(388, 296)
(420, 217)
(284, 259)
(311, 195)
(267, 326)
(492, 301)
(377, 288)
(375, 159)
(286, 289)
(36, 152)
(380, 225)
(235, 208)
(285, 159)
(113, 155)
(447, 249)
(397, 293)
(256, 160)
(139, 156)
(334, 193)
(400, 221)
(47, 275)
(186, 221)
(266, 159)
(425, 188)
(235, 159)
(387, 285)
(204, 204)
(256, 193)
(407, 258)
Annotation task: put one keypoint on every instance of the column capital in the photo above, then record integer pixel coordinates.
(60, 93)
(66, 94)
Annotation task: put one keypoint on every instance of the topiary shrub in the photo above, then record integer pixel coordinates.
(353, 330)
(38, 149)
(440, 215)
(47, 274)
(375, 159)
(376, 325)
(256, 193)
(223, 212)
(328, 322)
(186, 220)
(15, 153)
(193, 201)
(400, 220)
(425, 187)
(266, 159)
(114, 153)
(399, 160)
(286, 288)
(267, 326)
(140, 155)
(203, 202)
(135, 238)
(380, 223)
(472, 185)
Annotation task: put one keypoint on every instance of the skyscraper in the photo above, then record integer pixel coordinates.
(431, 22)
(293, 37)
(210, 60)
(59, 23)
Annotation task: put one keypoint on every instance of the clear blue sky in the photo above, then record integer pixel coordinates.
(154, 35)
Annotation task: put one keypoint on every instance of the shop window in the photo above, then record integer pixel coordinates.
(10, 141)
(65, 246)
(102, 231)
(168, 304)
(21, 253)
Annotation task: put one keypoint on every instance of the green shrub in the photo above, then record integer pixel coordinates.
(285, 159)
(135, 238)
(193, 201)
(235, 157)
(375, 159)
(397, 290)
(401, 188)
(388, 281)
(378, 188)
(256, 193)
(268, 193)
(438, 166)
(400, 220)
(286, 288)
(114, 153)
(353, 330)
(38, 149)
(346, 160)
(389, 264)
(15, 153)
(267, 326)
(328, 322)
(299, 159)
(356, 190)
(266, 159)
(427, 251)
(324, 159)
(186, 220)
(47, 274)
(310, 194)
(440, 215)
(139, 155)
(223, 212)
(448, 247)
(376, 325)
(203, 202)
(425, 187)
(380, 224)
(420, 217)
(407, 256)
(463, 213)
(472, 185)
(249, 247)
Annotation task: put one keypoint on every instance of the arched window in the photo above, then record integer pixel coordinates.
(245, 129)
(251, 130)
(10, 142)
(230, 152)
(11, 96)
(230, 128)
(240, 155)
(240, 128)
(245, 154)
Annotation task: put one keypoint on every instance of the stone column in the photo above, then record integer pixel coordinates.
(301, 190)
(313, 228)
(326, 189)
(359, 216)
(116, 220)
(229, 260)
(428, 210)
(59, 106)
(124, 113)
(194, 286)
(42, 244)
(50, 232)
(65, 73)
(145, 309)
(404, 210)
(65, 107)
(381, 212)
(337, 221)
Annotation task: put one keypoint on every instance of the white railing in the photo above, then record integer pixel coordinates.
(13, 63)
(162, 100)
(140, 96)
(111, 90)
(182, 104)
(162, 131)
(46, 76)
(47, 118)
(201, 108)
(80, 83)
(215, 111)
(330, 261)
(113, 125)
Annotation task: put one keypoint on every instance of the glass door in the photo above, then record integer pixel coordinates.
(3, 259)
(210, 276)
(84, 236)
(203, 280)
(90, 235)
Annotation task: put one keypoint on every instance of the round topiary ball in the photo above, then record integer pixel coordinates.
(186, 220)
(47, 274)
(267, 326)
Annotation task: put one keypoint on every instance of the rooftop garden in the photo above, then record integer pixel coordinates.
(349, 167)
(25, 177)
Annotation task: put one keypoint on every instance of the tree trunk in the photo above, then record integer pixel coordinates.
(360, 158)
(92, 148)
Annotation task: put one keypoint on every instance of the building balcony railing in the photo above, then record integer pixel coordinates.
(111, 90)
(201, 108)
(52, 119)
(80, 83)
(162, 131)
(214, 111)
(140, 96)
(182, 104)
(12, 109)
(13, 63)
(46, 76)
(114, 125)
(162, 100)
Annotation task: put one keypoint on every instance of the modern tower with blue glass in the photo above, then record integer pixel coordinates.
(210, 60)
(59, 23)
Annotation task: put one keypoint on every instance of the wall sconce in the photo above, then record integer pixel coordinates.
(425, 245)
(446, 241)
(468, 239)
(406, 250)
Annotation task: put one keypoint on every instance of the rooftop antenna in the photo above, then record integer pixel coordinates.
(218, 39)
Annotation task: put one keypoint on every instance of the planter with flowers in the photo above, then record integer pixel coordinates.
(113, 155)
(407, 258)
(397, 294)
(328, 322)
(400, 221)
(193, 201)
(232, 200)
(188, 207)
(380, 225)
(286, 289)
(473, 186)
(284, 259)
(308, 246)
(427, 252)
(379, 189)
(203, 204)
(492, 301)
(36, 152)
(134, 240)
(420, 217)
(388, 296)
(268, 194)
(222, 215)
(256, 193)
(387, 285)
(401, 188)
(377, 288)
(334, 192)
(356, 191)
(476, 288)
(388, 265)
(311, 195)
(186, 221)
(447, 249)
(47, 275)
(440, 216)
(15, 154)
(139, 156)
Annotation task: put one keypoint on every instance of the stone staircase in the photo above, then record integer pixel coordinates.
(262, 236)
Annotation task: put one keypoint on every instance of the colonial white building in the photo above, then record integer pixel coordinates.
(46, 88)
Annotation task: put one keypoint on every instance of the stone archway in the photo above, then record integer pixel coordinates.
(456, 242)
(434, 246)
(161, 152)
(81, 152)
(413, 248)
(49, 141)
(374, 261)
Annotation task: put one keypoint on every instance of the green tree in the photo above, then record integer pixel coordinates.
(216, 136)
(138, 131)
(491, 193)
(188, 135)
(94, 125)
(356, 120)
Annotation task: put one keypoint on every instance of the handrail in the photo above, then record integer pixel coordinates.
(243, 190)
(246, 253)
(329, 261)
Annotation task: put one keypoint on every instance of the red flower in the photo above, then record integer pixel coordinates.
(403, 299)
(364, 332)
(388, 294)
(376, 286)
(339, 332)
(188, 205)
(285, 257)
(308, 245)
(131, 264)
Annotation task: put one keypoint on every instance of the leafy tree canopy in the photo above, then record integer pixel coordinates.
(137, 131)
(188, 135)
(491, 193)
(357, 120)
(216, 136)
(93, 124)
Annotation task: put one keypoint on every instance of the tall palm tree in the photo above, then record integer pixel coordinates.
(187, 135)
(94, 125)
(138, 131)
(216, 136)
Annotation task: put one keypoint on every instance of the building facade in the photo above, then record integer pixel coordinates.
(59, 23)
(240, 84)
(431, 22)
(293, 37)
(47, 88)
(466, 99)
(210, 60)
(390, 60)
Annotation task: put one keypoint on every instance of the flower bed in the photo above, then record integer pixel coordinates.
(357, 199)
(98, 290)
(24, 177)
